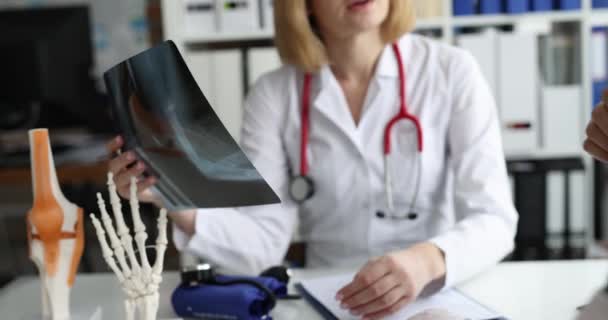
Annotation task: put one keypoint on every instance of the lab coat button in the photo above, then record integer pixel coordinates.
(380, 214)
(412, 216)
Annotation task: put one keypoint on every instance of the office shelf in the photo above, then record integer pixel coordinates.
(227, 37)
(430, 23)
(421, 24)
(503, 19)
(599, 17)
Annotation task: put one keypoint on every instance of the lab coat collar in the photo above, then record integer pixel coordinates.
(387, 65)
(331, 103)
(328, 91)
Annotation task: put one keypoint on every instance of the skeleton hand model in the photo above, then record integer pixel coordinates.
(54, 230)
(140, 282)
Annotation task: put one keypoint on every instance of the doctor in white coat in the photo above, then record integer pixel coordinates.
(451, 213)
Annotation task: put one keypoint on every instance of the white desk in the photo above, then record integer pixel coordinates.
(541, 290)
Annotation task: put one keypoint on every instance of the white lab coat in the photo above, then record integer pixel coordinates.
(464, 204)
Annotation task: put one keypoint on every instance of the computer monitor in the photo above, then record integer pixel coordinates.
(46, 58)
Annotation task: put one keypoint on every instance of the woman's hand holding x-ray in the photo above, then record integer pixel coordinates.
(125, 166)
(386, 284)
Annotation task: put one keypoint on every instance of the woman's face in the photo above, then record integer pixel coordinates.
(345, 18)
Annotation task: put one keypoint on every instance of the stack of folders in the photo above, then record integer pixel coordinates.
(469, 7)
(516, 95)
(600, 3)
(539, 95)
(599, 63)
(204, 17)
(552, 124)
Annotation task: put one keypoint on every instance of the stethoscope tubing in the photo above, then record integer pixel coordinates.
(402, 115)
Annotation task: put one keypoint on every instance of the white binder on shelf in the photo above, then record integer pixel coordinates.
(599, 52)
(237, 16)
(518, 94)
(262, 60)
(200, 17)
(561, 132)
(212, 71)
(561, 117)
(267, 14)
(429, 8)
(556, 210)
(227, 68)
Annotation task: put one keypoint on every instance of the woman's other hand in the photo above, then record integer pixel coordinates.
(387, 284)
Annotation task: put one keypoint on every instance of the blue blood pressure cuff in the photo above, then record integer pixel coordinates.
(228, 297)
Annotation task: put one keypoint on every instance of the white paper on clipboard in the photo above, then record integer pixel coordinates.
(324, 290)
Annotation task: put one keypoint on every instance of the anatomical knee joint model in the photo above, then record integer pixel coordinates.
(55, 231)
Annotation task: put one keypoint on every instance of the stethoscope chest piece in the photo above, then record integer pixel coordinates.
(301, 188)
(412, 216)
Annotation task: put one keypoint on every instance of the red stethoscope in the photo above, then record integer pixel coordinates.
(302, 187)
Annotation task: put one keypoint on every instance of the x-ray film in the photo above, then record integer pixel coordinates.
(166, 119)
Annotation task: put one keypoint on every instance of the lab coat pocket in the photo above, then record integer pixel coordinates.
(322, 171)
(404, 165)
(333, 169)
(401, 228)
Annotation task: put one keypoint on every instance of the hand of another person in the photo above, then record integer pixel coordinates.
(387, 284)
(596, 143)
(125, 166)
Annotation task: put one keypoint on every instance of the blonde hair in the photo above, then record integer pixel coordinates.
(299, 44)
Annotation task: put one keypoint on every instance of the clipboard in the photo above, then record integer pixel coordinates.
(319, 293)
(314, 303)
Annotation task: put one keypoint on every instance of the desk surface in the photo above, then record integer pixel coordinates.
(531, 290)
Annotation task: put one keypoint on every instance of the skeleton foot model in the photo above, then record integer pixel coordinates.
(54, 230)
(139, 281)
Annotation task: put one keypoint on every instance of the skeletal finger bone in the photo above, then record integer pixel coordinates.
(138, 226)
(161, 243)
(108, 254)
(114, 240)
(121, 226)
